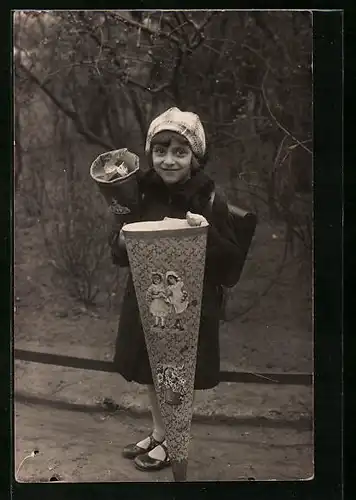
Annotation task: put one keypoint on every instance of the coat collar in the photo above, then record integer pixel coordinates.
(199, 186)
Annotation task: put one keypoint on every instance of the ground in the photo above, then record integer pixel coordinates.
(69, 447)
(275, 335)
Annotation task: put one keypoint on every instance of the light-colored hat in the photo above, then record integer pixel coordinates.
(172, 273)
(185, 123)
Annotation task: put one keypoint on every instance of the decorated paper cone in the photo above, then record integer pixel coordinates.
(167, 260)
(115, 174)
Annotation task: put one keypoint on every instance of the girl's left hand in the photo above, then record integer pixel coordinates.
(122, 243)
(195, 219)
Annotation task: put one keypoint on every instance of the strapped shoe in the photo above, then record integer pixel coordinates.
(146, 463)
(132, 451)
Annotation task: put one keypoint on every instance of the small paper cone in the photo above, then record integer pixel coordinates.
(115, 174)
(167, 260)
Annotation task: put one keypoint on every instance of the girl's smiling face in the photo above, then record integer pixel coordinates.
(171, 157)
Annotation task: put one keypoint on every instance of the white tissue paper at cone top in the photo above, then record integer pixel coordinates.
(115, 173)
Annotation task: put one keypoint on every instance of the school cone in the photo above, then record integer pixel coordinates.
(115, 173)
(167, 260)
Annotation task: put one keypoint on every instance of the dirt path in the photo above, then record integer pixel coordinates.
(82, 447)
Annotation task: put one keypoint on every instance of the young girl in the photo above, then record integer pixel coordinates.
(175, 186)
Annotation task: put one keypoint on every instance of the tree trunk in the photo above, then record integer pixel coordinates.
(138, 110)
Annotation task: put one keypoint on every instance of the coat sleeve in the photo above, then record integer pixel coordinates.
(119, 255)
(117, 245)
(223, 251)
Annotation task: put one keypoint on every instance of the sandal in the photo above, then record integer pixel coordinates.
(132, 451)
(146, 463)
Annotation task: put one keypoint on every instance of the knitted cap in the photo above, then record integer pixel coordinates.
(184, 123)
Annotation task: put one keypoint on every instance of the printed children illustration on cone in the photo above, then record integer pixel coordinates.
(169, 298)
(156, 295)
(178, 297)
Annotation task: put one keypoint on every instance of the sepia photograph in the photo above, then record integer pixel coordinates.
(163, 245)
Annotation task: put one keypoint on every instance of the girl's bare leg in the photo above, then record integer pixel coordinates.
(159, 431)
(158, 425)
(157, 453)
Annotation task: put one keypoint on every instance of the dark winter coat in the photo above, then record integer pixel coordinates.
(159, 201)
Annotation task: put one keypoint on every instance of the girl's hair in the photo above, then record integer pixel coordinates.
(156, 275)
(165, 137)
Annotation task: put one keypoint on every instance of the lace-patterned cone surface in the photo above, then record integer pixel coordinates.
(115, 174)
(167, 261)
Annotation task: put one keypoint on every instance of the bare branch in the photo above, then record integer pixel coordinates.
(286, 131)
(293, 146)
(138, 110)
(182, 32)
(168, 84)
(190, 21)
(73, 115)
(258, 54)
(108, 120)
(198, 36)
(261, 23)
(158, 33)
(102, 45)
(167, 22)
(182, 21)
(212, 49)
(200, 27)
(66, 67)
(154, 90)
(209, 16)
(97, 60)
(279, 152)
(181, 50)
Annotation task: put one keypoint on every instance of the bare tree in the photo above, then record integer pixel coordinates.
(104, 75)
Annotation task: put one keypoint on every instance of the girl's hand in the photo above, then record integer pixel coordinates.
(122, 243)
(195, 219)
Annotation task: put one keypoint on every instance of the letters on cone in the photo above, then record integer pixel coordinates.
(115, 174)
(167, 261)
